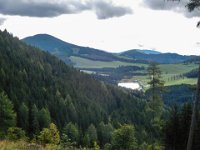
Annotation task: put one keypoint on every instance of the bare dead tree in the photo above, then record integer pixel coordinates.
(194, 114)
(192, 5)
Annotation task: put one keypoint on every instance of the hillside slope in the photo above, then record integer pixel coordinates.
(163, 58)
(35, 78)
(64, 50)
(148, 51)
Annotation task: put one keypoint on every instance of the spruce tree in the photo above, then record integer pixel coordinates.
(124, 138)
(7, 114)
(23, 117)
(35, 123)
(156, 87)
(72, 132)
(44, 118)
(172, 130)
(92, 134)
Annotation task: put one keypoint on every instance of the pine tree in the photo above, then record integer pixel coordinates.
(105, 133)
(172, 130)
(35, 123)
(92, 134)
(124, 138)
(72, 132)
(156, 86)
(23, 117)
(185, 120)
(44, 118)
(7, 114)
(177, 128)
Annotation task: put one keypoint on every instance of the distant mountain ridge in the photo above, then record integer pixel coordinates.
(158, 57)
(65, 50)
(148, 51)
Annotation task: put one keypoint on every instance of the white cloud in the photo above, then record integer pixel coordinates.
(2, 20)
(165, 31)
(44, 8)
(173, 5)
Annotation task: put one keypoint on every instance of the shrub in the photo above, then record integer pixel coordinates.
(15, 133)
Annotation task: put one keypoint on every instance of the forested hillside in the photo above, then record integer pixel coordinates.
(163, 58)
(43, 89)
(44, 101)
(64, 50)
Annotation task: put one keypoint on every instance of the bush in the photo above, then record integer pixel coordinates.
(15, 133)
(49, 135)
(124, 138)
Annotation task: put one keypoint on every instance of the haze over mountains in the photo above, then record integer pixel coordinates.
(65, 51)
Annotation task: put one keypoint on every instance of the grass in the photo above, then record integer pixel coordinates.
(88, 72)
(171, 73)
(191, 81)
(7, 145)
(177, 68)
(23, 145)
(86, 63)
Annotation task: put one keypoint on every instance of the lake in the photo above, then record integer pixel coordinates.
(130, 85)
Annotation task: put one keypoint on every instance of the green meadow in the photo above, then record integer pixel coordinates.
(172, 74)
(86, 63)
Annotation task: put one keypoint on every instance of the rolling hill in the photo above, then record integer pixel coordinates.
(65, 50)
(148, 51)
(36, 80)
(96, 62)
(43, 89)
(163, 58)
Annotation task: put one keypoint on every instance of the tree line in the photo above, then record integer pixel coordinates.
(44, 90)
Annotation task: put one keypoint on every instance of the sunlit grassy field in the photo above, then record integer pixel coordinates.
(23, 145)
(7, 145)
(86, 63)
(171, 73)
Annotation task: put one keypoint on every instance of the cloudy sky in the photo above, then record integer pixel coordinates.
(111, 25)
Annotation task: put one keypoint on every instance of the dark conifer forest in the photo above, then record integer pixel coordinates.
(39, 89)
(47, 103)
